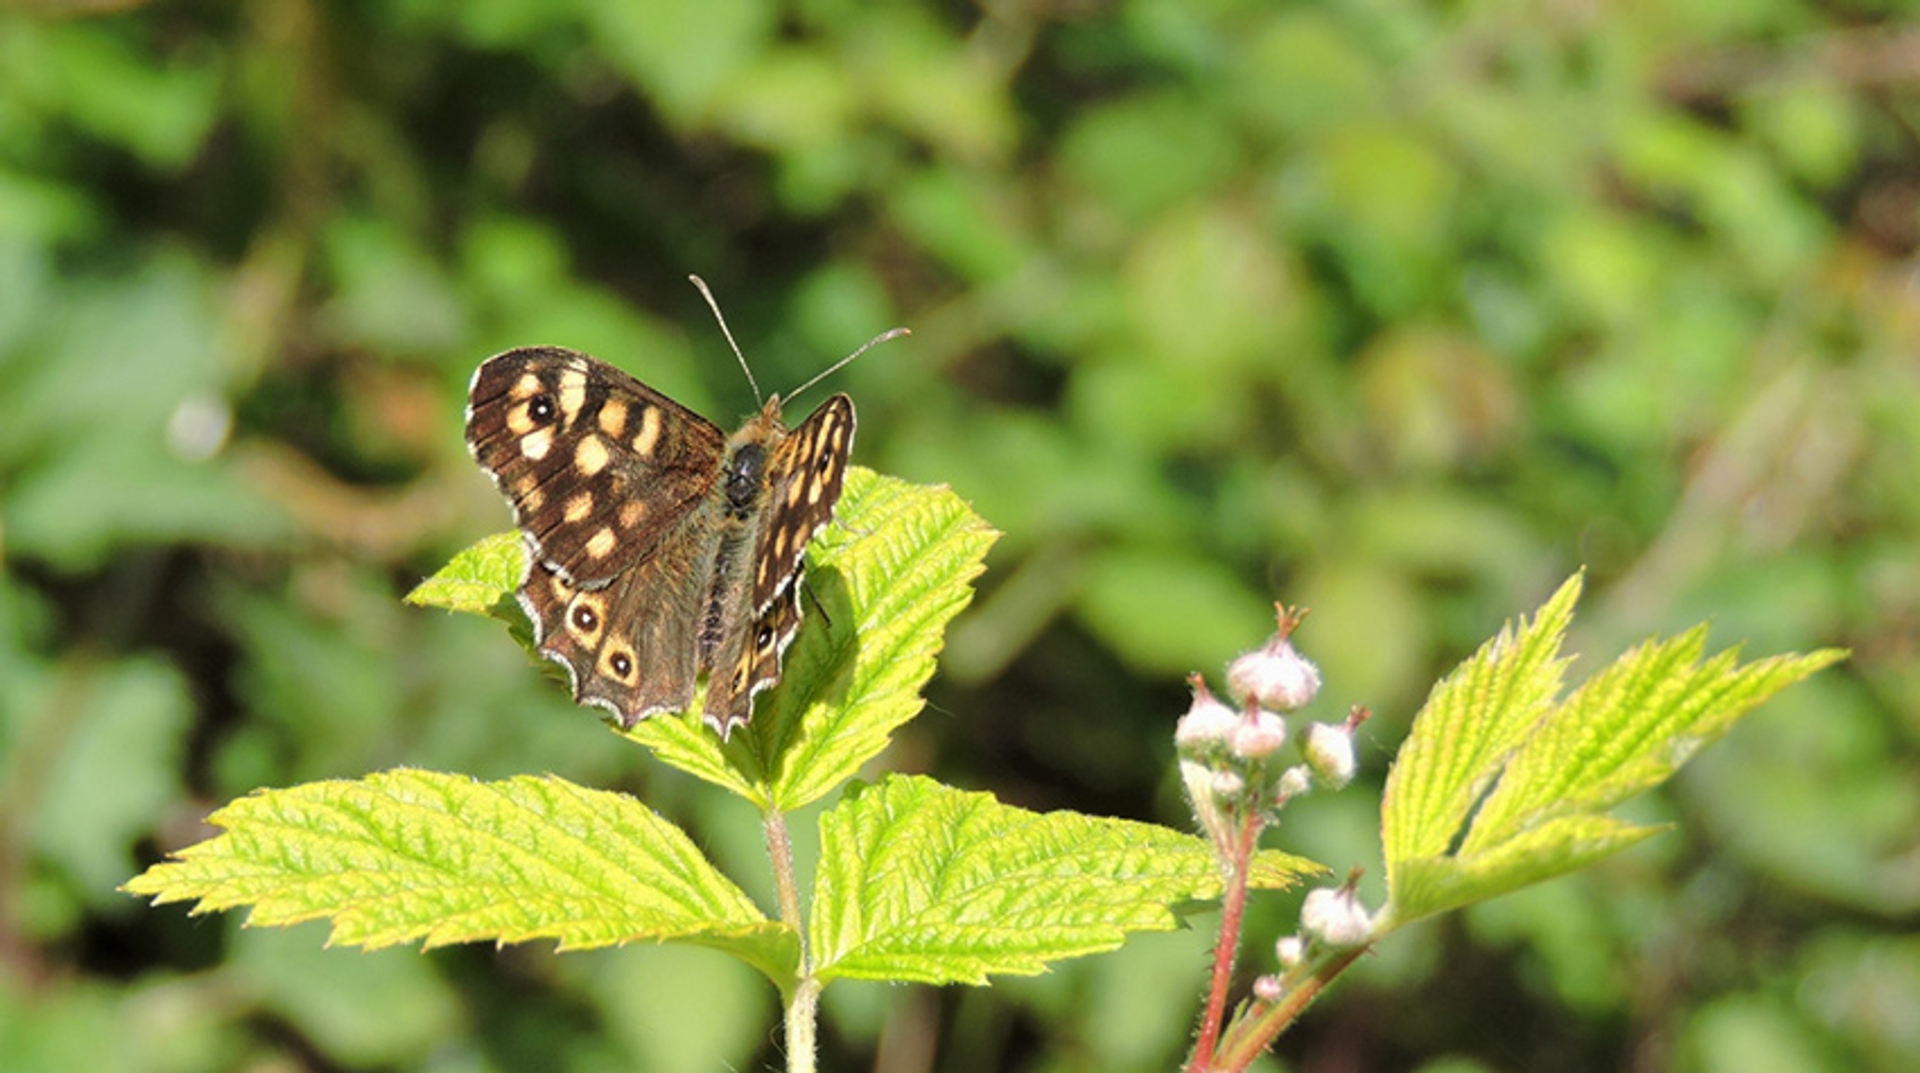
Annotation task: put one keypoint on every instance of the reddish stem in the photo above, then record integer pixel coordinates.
(1227, 946)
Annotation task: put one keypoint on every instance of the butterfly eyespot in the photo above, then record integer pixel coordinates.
(764, 637)
(584, 618)
(622, 664)
(541, 408)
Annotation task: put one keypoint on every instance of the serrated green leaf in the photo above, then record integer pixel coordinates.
(416, 855)
(480, 580)
(1630, 727)
(1501, 786)
(919, 881)
(1435, 884)
(1472, 721)
(892, 571)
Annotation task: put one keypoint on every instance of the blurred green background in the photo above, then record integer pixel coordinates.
(1401, 311)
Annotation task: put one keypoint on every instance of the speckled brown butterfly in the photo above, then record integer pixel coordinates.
(658, 547)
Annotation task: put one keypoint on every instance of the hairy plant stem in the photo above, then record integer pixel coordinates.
(1249, 1038)
(803, 1001)
(1235, 865)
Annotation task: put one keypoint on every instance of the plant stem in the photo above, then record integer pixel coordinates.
(803, 1002)
(1250, 1038)
(1233, 907)
(780, 849)
(802, 1015)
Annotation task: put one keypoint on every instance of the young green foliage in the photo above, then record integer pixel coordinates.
(1501, 785)
(411, 855)
(922, 882)
(916, 882)
(885, 579)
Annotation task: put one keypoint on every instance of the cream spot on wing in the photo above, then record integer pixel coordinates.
(573, 392)
(631, 512)
(600, 544)
(613, 418)
(579, 506)
(518, 421)
(537, 443)
(533, 499)
(526, 387)
(591, 456)
(648, 437)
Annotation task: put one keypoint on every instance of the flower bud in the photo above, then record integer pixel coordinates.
(1259, 735)
(1335, 916)
(1229, 785)
(1294, 781)
(1275, 675)
(1207, 723)
(1329, 751)
(1267, 988)
(1290, 951)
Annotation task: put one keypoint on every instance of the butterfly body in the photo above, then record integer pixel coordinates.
(658, 548)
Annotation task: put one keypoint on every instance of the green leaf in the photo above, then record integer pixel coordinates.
(1471, 722)
(409, 854)
(918, 881)
(480, 580)
(890, 573)
(1500, 786)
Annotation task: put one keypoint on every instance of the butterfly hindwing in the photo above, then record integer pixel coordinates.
(804, 471)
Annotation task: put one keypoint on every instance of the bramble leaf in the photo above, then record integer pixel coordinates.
(1501, 785)
(919, 881)
(883, 582)
(480, 580)
(410, 855)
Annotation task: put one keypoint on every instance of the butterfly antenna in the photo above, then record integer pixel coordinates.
(728, 332)
(892, 333)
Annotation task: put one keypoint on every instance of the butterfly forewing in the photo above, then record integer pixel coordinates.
(598, 466)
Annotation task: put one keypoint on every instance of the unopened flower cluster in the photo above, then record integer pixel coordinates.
(1231, 750)
(1238, 774)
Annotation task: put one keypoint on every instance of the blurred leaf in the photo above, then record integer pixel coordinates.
(1167, 611)
(111, 743)
(359, 1010)
(94, 73)
(680, 53)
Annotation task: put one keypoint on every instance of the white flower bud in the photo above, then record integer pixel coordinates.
(1329, 751)
(1335, 916)
(1294, 781)
(1267, 988)
(1229, 785)
(1258, 736)
(1275, 675)
(1207, 723)
(1290, 950)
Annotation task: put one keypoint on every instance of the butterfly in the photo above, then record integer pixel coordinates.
(658, 548)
